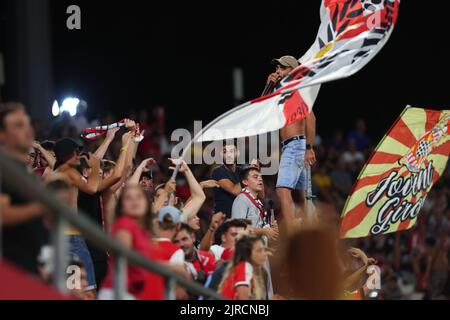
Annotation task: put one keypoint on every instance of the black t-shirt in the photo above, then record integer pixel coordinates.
(217, 276)
(91, 205)
(223, 201)
(22, 243)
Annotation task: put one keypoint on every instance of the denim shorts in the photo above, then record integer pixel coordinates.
(292, 173)
(78, 248)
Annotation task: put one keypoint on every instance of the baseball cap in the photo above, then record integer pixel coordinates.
(64, 148)
(169, 210)
(286, 61)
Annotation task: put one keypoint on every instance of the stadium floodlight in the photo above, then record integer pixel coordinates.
(55, 108)
(70, 105)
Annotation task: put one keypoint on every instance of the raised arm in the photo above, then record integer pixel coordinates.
(130, 154)
(230, 187)
(91, 186)
(169, 188)
(48, 157)
(143, 167)
(197, 195)
(207, 240)
(101, 151)
(119, 168)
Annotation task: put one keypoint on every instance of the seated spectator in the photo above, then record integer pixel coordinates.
(322, 180)
(359, 136)
(338, 142)
(353, 157)
(341, 179)
(244, 277)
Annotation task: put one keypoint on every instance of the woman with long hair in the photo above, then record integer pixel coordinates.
(244, 277)
(131, 228)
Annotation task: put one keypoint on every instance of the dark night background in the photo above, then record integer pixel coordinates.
(139, 54)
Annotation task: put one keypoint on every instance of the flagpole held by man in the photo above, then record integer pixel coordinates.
(297, 148)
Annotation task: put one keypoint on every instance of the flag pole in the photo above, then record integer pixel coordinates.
(309, 197)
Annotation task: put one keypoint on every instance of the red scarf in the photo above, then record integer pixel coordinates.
(96, 132)
(265, 217)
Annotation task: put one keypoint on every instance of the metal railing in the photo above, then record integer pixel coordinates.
(22, 184)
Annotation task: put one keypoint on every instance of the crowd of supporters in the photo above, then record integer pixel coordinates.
(215, 225)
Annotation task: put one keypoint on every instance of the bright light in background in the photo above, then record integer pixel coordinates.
(70, 105)
(55, 109)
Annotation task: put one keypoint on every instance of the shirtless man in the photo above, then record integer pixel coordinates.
(297, 149)
(67, 152)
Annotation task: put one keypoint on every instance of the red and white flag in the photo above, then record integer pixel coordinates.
(351, 33)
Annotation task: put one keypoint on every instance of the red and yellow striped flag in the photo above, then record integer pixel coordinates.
(394, 183)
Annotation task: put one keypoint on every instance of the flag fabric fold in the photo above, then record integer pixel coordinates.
(392, 187)
(351, 33)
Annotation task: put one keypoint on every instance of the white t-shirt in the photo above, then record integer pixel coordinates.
(217, 251)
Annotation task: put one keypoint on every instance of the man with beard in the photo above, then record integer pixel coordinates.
(227, 177)
(297, 151)
(200, 264)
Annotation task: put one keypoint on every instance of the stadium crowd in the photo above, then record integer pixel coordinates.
(219, 226)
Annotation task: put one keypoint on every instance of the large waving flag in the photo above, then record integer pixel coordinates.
(351, 33)
(393, 185)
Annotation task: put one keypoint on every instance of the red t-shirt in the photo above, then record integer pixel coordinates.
(154, 284)
(136, 277)
(227, 254)
(208, 264)
(170, 251)
(242, 275)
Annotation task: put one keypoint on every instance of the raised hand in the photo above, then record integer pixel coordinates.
(93, 161)
(130, 124)
(217, 219)
(145, 164)
(111, 133)
(182, 165)
(359, 254)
